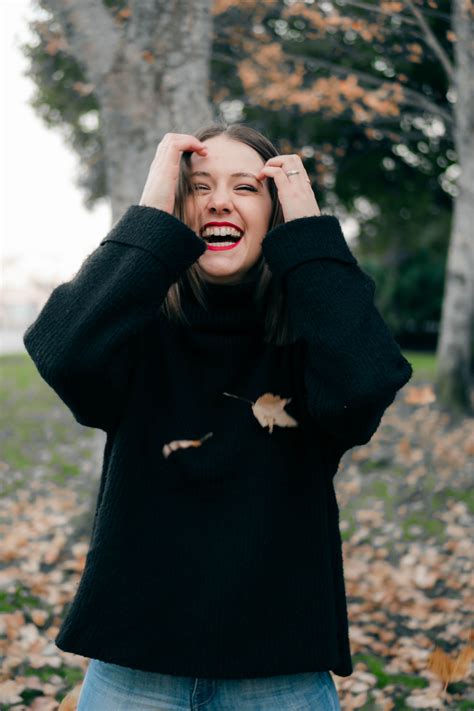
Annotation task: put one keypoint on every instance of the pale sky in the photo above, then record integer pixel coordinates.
(45, 231)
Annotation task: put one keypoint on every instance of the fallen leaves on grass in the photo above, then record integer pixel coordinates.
(419, 394)
(408, 584)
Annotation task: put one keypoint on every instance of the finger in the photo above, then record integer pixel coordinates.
(184, 142)
(291, 160)
(178, 147)
(180, 142)
(278, 174)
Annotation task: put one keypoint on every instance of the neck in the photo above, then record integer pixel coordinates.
(234, 279)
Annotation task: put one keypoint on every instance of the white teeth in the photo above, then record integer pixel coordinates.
(220, 232)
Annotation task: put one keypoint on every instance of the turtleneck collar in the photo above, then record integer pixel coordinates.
(230, 307)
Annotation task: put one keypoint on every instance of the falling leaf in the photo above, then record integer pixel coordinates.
(268, 410)
(448, 668)
(183, 444)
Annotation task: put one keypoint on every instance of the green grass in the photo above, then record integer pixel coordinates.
(375, 666)
(423, 362)
(429, 527)
(441, 497)
(21, 598)
(36, 427)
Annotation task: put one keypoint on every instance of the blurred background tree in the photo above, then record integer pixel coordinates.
(376, 98)
(114, 77)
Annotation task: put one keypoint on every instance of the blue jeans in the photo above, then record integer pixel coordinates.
(111, 687)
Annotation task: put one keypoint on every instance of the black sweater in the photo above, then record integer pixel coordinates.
(222, 560)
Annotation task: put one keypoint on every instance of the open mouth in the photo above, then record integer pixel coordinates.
(222, 242)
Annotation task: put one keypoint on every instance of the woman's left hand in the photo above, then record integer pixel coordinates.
(294, 191)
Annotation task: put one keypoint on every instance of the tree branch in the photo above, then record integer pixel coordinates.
(366, 6)
(416, 98)
(432, 41)
(90, 32)
(374, 8)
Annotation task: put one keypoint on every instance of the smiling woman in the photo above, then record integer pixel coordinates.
(223, 197)
(214, 574)
(221, 186)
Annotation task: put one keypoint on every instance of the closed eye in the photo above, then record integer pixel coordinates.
(241, 187)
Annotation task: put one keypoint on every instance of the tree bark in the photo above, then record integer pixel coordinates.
(150, 74)
(455, 344)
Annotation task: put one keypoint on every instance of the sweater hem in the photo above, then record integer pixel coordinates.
(112, 657)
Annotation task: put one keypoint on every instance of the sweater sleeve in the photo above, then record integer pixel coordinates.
(353, 367)
(86, 340)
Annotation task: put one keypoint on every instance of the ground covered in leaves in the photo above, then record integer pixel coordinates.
(406, 512)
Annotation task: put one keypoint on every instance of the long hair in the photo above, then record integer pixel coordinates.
(269, 293)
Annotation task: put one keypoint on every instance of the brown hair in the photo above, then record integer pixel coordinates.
(270, 297)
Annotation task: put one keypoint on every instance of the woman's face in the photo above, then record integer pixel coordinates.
(220, 196)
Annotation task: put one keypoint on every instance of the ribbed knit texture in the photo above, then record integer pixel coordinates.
(223, 560)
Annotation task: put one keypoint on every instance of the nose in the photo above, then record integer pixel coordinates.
(220, 201)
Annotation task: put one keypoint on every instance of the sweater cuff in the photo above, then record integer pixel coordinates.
(167, 238)
(301, 240)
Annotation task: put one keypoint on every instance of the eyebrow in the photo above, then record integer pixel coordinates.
(233, 175)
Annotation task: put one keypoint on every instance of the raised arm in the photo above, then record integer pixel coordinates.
(86, 340)
(353, 367)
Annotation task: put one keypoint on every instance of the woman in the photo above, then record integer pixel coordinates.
(226, 340)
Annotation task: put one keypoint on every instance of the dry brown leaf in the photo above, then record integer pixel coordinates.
(39, 617)
(269, 410)
(10, 691)
(44, 703)
(123, 14)
(148, 56)
(82, 88)
(69, 703)
(183, 444)
(421, 395)
(448, 668)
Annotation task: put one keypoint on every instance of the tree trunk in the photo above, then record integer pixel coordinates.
(142, 101)
(150, 73)
(150, 77)
(453, 380)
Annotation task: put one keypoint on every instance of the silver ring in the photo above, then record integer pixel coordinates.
(291, 172)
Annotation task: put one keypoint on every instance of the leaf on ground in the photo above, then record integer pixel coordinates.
(10, 691)
(419, 395)
(69, 703)
(449, 668)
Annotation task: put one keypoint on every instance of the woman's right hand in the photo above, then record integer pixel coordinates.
(160, 186)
